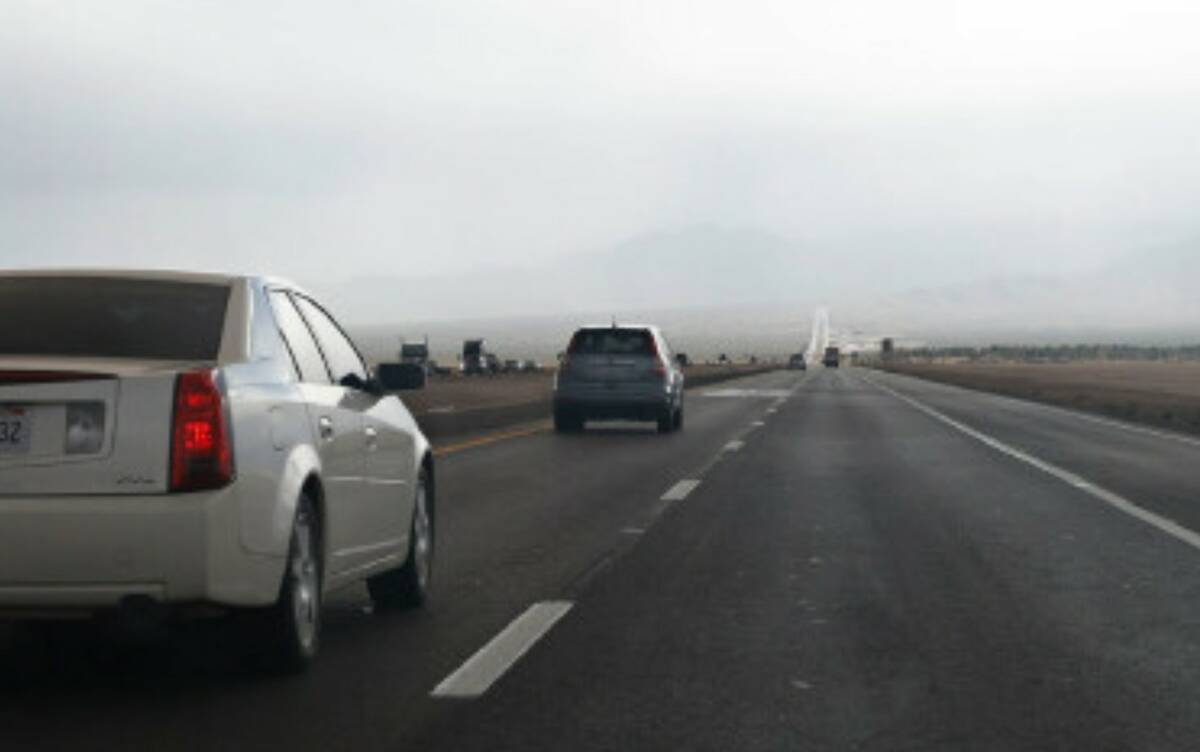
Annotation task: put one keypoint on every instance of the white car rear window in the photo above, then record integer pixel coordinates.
(109, 317)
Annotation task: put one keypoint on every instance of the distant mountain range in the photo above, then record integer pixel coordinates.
(699, 266)
(1146, 295)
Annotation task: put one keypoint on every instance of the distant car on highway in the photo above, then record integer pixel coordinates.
(798, 362)
(832, 357)
(618, 373)
(172, 440)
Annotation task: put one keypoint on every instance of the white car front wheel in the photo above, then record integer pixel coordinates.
(407, 586)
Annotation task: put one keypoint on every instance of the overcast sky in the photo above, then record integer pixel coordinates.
(319, 140)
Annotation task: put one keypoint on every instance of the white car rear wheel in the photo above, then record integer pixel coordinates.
(288, 634)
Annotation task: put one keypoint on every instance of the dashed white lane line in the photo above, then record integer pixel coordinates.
(491, 662)
(758, 423)
(474, 677)
(680, 490)
(1163, 524)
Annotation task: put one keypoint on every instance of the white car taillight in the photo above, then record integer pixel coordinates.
(201, 450)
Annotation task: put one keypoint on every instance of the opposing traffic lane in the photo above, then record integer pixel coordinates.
(519, 521)
(862, 576)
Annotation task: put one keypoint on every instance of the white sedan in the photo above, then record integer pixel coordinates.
(174, 439)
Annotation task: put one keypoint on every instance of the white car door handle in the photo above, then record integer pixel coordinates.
(325, 427)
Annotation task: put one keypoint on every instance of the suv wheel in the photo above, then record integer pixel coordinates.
(566, 421)
(408, 586)
(666, 420)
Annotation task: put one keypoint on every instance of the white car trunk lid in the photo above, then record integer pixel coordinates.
(84, 431)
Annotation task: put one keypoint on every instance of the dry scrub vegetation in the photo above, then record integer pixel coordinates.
(1156, 393)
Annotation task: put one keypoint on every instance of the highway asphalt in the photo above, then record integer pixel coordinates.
(834, 560)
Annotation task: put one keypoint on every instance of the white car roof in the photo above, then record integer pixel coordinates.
(165, 275)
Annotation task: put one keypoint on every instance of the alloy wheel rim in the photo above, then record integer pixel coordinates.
(305, 583)
(422, 541)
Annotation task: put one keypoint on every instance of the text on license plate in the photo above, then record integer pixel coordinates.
(16, 430)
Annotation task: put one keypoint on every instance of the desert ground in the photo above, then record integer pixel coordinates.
(1164, 394)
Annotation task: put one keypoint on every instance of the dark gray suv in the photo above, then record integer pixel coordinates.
(618, 373)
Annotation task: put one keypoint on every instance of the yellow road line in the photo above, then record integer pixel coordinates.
(492, 439)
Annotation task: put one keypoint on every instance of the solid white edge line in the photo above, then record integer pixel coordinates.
(1068, 412)
(1113, 423)
(1163, 524)
(680, 490)
(494, 659)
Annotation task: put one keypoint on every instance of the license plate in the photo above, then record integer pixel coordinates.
(16, 430)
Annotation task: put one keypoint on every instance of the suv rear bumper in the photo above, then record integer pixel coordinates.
(639, 402)
(87, 553)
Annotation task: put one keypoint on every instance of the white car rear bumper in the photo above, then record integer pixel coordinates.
(91, 552)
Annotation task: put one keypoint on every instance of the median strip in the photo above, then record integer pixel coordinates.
(494, 659)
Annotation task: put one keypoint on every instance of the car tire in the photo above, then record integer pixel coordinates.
(666, 421)
(287, 635)
(567, 422)
(679, 419)
(407, 586)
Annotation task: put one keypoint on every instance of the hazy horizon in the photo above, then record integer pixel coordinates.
(908, 154)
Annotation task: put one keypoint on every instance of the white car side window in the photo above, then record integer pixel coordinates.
(340, 354)
(299, 339)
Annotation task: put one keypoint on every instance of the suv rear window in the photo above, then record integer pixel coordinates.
(612, 342)
(108, 317)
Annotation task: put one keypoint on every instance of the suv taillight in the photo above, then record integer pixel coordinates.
(660, 368)
(201, 450)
